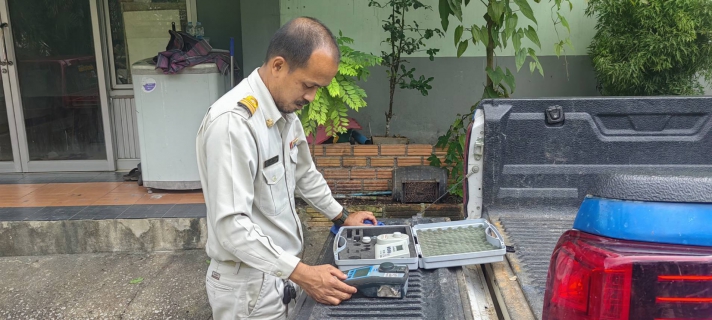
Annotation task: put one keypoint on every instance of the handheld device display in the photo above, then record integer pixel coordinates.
(386, 280)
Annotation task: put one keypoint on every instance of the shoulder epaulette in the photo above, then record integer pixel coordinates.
(249, 103)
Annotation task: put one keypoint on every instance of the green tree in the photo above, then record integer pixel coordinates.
(651, 47)
(502, 27)
(331, 104)
(404, 38)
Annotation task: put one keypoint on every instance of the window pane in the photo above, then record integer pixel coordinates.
(59, 86)
(139, 30)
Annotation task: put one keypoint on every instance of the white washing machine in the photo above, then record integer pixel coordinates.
(170, 108)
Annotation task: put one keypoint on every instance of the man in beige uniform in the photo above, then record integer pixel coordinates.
(253, 157)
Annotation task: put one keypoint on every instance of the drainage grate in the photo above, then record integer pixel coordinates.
(420, 191)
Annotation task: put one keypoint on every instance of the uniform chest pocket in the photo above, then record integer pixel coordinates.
(273, 197)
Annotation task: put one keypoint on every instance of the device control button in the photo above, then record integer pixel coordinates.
(386, 266)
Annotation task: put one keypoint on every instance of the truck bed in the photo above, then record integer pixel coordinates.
(536, 173)
(432, 294)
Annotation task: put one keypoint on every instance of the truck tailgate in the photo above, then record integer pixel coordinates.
(537, 171)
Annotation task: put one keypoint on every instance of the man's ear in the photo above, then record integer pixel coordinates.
(278, 65)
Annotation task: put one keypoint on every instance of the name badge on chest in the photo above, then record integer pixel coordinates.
(271, 161)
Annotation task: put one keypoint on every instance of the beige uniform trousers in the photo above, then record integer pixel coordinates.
(238, 291)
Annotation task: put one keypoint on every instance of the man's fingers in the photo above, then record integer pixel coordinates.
(372, 218)
(337, 273)
(342, 295)
(344, 287)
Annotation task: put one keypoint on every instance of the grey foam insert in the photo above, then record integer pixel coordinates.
(453, 240)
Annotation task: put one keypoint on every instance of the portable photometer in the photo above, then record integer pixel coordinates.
(386, 280)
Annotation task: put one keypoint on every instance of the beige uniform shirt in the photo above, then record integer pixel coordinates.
(251, 165)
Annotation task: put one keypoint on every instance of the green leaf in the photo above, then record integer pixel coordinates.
(510, 25)
(557, 48)
(456, 8)
(136, 281)
(531, 34)
(564, 22)
(207, 261)
(517, 40)
(489, 93)
(532, 54)
(509, 79)
(526, 9)
(434, 161)
(495, 75)
(532, 66)
(462, 142)
(484, 36)
(458, 33)
(495, 37)
(520, 57)
(461, 48)
(445, 12)
(495, 10)
(475, 34)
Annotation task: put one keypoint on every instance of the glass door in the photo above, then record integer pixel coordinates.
(9, 155)
(55, 72)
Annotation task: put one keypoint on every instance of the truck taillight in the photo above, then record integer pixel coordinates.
(593, 277)
(584, 284)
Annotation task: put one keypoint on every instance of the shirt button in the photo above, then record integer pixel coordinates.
(274, 178)
(279, 273)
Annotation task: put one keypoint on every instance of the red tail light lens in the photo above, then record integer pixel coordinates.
(586, 282)
(592, 277)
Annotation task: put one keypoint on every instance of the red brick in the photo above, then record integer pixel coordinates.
(382, 162)
(355, 161)
(328, 161)
(420, 150)
(365, 150)
(376, 185)
(320, 218)
(440, 151)
(338, 150)
(317, 150)
(384, 174)
(393, 149)
(319, 224)
(410, 161)
(345, 186)
(363, 173)
(336, 174)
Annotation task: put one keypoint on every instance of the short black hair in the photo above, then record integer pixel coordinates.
(297, 39)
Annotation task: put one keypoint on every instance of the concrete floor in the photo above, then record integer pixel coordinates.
(98, 286)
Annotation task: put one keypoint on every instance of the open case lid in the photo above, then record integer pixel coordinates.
(482, 244)
(458, 243)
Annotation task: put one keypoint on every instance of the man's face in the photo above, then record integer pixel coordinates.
(292, 90)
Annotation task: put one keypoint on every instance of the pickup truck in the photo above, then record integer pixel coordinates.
(617, 192)
(634, 174)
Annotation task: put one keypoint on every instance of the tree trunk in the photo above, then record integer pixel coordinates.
(389, 114)
(490, 49)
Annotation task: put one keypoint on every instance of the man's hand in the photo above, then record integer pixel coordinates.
(357, 218)
(323, 283)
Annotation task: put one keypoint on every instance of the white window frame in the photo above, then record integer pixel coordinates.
(123, 89)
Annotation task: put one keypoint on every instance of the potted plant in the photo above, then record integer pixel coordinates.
(403, 38)
(331, 103)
